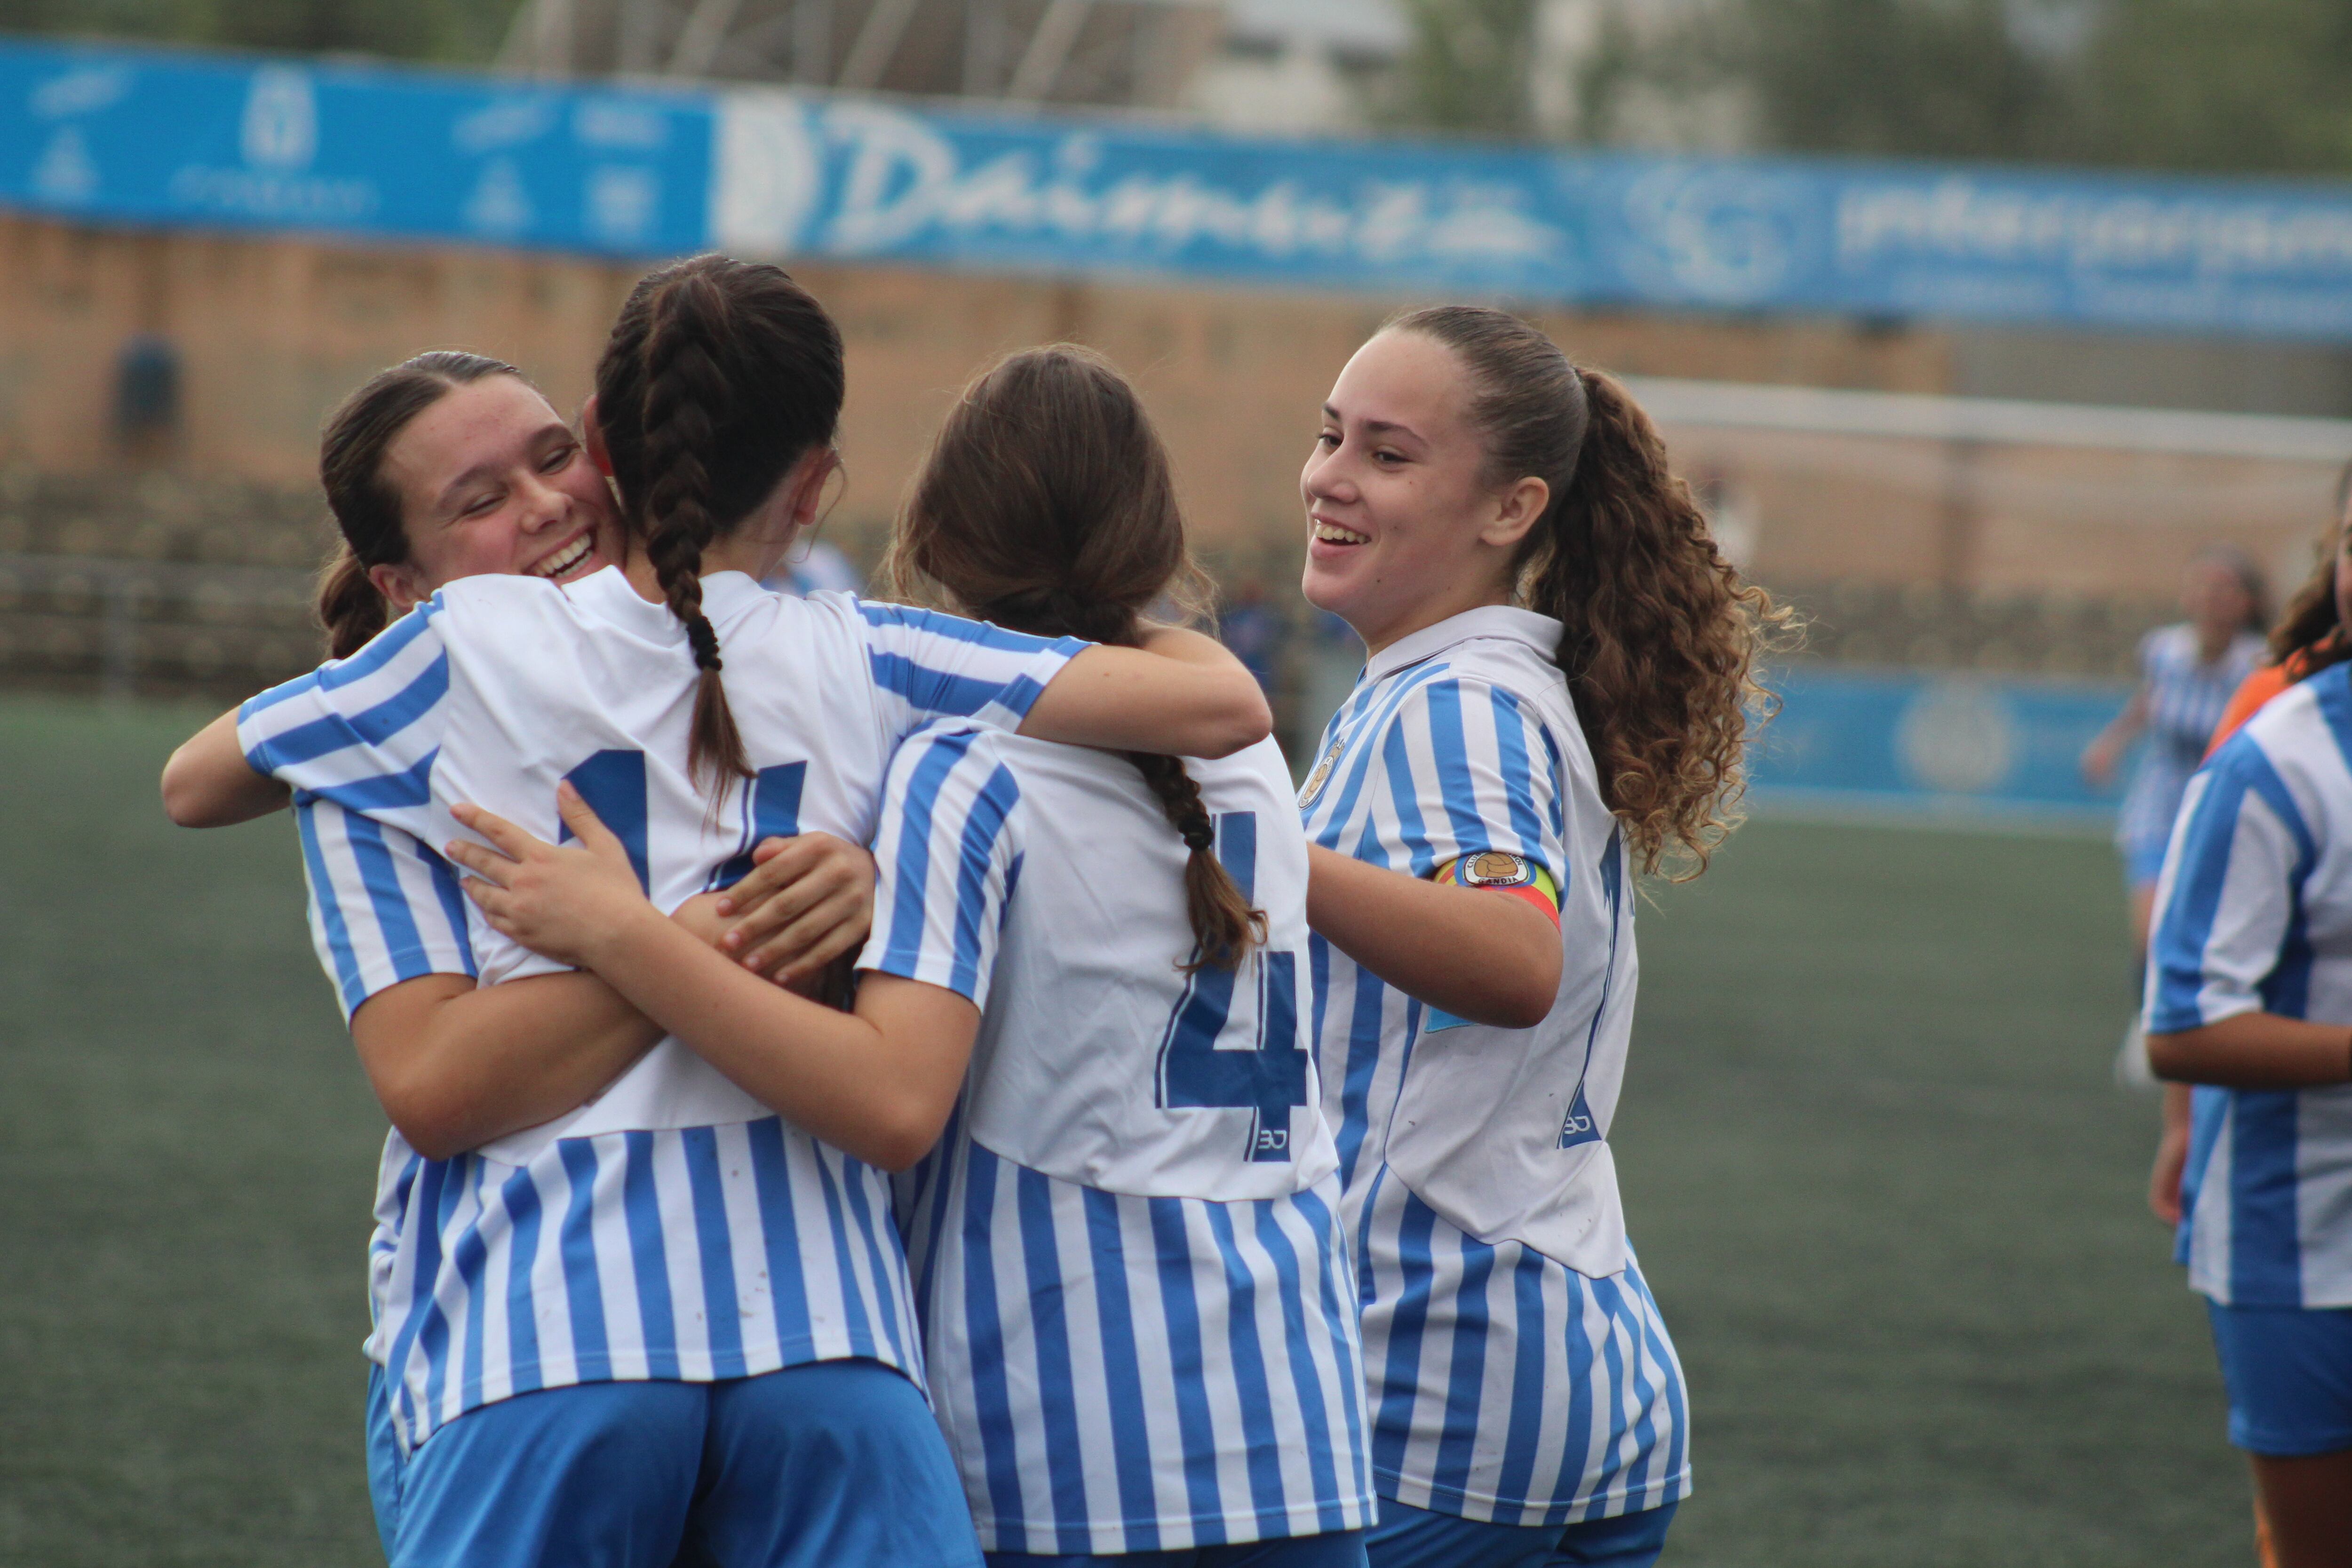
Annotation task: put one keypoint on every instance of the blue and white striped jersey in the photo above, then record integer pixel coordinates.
(2185, 701)
(1128, 1254)
(673, 1227)
(1519, 1369)
(383, 908)
(2254, 914)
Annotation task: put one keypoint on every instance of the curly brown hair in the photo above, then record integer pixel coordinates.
(1661, 639)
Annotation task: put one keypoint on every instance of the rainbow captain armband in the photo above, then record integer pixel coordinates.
(1502, 872)
(1505, 873)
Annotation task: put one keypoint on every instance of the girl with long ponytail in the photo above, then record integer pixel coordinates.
(1561, 680)
(671, 1323)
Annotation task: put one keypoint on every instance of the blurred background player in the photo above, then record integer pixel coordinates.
(2188, 674)
(1480, 808)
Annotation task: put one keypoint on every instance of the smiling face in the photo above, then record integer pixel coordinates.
(492, 481)
(1404, 530)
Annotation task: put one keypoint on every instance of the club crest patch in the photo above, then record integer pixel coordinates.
(1496, 868)
(1322, 773)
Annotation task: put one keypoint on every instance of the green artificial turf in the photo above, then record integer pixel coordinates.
(1876, 1171)
(1894, 1209)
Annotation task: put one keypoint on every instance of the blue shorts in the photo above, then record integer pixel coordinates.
(1339, 1549)
(2289, 1374)
(835, 1462)
(1416, 1538)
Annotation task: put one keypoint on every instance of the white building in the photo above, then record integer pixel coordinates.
(1302, 66)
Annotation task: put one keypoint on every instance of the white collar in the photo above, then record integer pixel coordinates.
(1503, 622)
(725, 595)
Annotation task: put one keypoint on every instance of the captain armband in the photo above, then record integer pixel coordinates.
(1501, 872)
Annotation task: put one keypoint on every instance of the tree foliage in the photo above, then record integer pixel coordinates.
(2250, 85)
(1468, 67)
(403, 29)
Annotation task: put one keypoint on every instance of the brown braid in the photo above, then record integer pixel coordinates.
(1224, 927)
(1046, 506)
(682, 386)
(719, 377)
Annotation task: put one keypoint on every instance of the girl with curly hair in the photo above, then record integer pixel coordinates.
(1561, 680)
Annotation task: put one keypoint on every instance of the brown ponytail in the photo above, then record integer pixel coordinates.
(1659, 637)
(349, 607)
(366, 505)
(719, 376)
(1046, 505)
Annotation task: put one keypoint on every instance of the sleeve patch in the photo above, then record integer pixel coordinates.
(1501, 871)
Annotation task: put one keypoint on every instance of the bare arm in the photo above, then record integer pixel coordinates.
(878, 1083)
(1476, 953)
(2101, 757)
(456, 1065)
(207, 783)
(2255, 1050)
(1180, 693)
(2172, 1156)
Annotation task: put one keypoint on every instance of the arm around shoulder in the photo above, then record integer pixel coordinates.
(207, 783)
(1179, 694)
(455, 1064)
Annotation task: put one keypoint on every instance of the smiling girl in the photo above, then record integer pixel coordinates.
(661, 1321)
(1559, 681)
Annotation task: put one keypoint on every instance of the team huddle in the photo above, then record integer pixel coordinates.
(914, 1083)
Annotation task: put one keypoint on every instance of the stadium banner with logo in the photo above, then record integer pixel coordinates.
(154, 137)
(1922, 743)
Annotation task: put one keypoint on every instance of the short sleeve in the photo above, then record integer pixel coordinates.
(927, 666)
(947, 857)
(1467, 766)
(2227, 902)
(361, 731)
(383, 908)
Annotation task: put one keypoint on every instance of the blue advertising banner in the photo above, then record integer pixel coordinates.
(1920, 743)
(150, 137)
(156, 138)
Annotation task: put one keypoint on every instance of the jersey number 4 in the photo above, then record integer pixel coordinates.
(1232, 1041)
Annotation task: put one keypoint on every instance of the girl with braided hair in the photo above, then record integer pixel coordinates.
(1560, 681)
(1136, 1136)
(672, 1323)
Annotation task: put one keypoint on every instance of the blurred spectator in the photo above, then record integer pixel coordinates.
(815, 568)
(1255, 632)
(146, 393)
(2187, 673)
(1732, 515)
